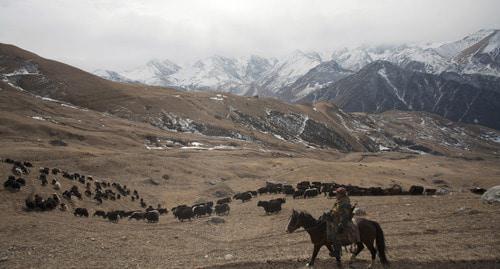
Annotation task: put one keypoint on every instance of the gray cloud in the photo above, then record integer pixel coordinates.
(117, 34)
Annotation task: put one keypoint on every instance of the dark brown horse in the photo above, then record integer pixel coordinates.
(369, 231)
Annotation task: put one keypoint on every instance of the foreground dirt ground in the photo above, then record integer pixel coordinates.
(449, 231)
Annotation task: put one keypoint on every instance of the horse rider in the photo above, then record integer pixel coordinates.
(342, 211)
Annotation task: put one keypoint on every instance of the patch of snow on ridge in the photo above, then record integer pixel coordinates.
(25, 70)
(310, 89)
(218, 97)
(491, 136)
(493, 44)
(279, 137)
(38, 118)
(154, 148)
(383, 74)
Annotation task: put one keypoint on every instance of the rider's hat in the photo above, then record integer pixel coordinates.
(341, 190)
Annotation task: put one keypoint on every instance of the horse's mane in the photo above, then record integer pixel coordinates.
(308, 216)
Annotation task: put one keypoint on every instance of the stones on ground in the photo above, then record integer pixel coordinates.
(492, 195)
(442, 191)
(228, 257)
(151, 182)
(215, 220)
(58, 143)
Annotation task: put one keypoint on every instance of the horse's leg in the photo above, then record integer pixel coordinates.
(359, 248)
(315, 253)
(330, 248)
(337, 252)
(373, 251)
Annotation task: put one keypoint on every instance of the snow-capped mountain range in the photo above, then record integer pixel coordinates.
(301, 73)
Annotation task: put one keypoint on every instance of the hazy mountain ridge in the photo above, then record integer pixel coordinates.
(477, 53)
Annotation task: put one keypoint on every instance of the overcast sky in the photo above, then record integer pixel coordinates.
(118, 34)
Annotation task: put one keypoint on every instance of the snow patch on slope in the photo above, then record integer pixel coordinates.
(383, 74)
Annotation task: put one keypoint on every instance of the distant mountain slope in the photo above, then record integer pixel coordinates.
(318, 77)
(382, 86)
(255, 120)
(35, 87)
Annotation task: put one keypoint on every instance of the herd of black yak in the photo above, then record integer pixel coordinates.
(101, 191)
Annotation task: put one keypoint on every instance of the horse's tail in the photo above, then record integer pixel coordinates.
(380, 242)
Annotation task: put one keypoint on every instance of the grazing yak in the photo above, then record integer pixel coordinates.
(224, 201)
(202, 210)
(222, 209)
(478, 190)
(17, 171)
(12, 184)
(262, 190)
(271, 206)
(394, 190)
(137, 215)
(98, 199)
(304, 185)
(183, 212)
(30, 204)
(88, 193)
(56, 171)
(21, 181)
(44, 170)
(274, 187)
(81, 212)
(100, 213)
(313, 192)
(50, 204)
(152, 216)
(56, 197)
(288, 190)
(430, 191)
(298, 194)
(245, 196)
(416, 190)
(375, 191)
(113, 216)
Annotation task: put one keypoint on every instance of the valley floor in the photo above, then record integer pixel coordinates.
(448, 231)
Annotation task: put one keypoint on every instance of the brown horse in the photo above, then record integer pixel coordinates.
(369, 231)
